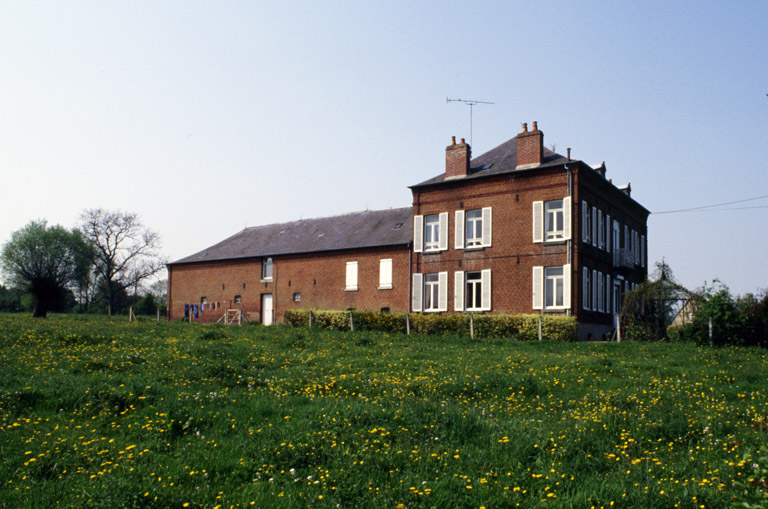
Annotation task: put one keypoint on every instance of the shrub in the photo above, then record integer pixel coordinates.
(519, 327)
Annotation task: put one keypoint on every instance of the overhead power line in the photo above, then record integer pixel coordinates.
(711, 208)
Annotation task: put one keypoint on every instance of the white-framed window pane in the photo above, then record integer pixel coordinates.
(474, 291)
(351, 276)
(431, 292)
(554, 227)
(431, 232)
(474, 228)
(553, 287)
(266, 268)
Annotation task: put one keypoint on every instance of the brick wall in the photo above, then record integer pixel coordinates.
(319, 279)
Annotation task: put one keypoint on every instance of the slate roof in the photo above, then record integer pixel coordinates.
(371, 228)
(502, 159)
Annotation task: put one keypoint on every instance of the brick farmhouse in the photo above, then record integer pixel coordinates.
(519, 229)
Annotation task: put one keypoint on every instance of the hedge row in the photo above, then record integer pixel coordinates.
(520, 327)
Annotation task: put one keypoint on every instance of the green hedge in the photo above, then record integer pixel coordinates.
(521, 327)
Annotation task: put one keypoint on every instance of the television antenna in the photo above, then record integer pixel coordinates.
(471, 103)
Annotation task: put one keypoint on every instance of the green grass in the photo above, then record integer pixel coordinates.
(102, 413)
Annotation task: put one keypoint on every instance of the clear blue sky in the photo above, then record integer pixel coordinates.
(206, 117)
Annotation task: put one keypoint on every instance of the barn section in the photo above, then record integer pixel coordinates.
(358, 261)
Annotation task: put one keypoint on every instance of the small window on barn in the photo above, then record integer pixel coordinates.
(296, 297)
(238, 299)
(203, 300)
(266, 269)
(385, 311)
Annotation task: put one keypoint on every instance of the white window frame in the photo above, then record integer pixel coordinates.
(481, 289)
(600, 292)
(385, 274)
(586, 289)
(540, 277)
(466, 226)
(586, 223)
(438, 229)
(542, 214)
(554, 212)
(600, 229)
(434, 285)
(432, 228)
(351, 277)
(267, 269)
(593, 231)
(473, 223)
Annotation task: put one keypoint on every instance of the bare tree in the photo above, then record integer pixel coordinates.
(126, 252)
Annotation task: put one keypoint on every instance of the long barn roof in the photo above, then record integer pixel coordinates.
(371, 228)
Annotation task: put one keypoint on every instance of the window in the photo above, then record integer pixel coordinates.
(586, 290)
(430, 292)
(473, 228)
(351, 285)
(552, 220)
(297, 297)
(385, 274)
(552, 287)
(266, 269)
(586, 223)
(203, 301)
(472, 290)
(642, 250)
(430, 233)
(600, 230)
(238, 299)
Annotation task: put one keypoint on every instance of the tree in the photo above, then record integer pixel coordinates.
(126, 253)
(44, 261)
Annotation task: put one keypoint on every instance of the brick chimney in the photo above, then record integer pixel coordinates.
(530, 146)
(457, 156)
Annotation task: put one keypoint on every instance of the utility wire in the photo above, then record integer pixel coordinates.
(705, 207)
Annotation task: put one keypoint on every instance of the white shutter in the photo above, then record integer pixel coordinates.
(584, 221)
(538, 288)
(351, 276)
(486, 282)
(459, 240)
(585, 288)
(635, 248)
(608, 233)
(487, 226)
(458, 290)
(417, 292)
(538, 221)
(594, 290)
(442, 281)
(567, 285)
(593, 235)
(600, 291)
(600, 229)
(385, 273)
(642, 250)
(443, 242)
(418, 234)
(608, 293)
(567, 218)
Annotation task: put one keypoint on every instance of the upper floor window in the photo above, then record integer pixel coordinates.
(266, 269)
(430, 233)
(473, 228)
(238, 299)
(552, 220)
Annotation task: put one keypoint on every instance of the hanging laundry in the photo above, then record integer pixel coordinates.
(186, 310)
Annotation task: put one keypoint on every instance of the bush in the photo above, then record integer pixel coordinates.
(519, 327)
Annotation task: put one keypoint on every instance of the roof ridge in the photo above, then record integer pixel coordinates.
(328, 217)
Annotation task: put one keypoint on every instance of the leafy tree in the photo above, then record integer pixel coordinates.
(10, 299)
(44, 261)
(727, 317)
(126, 252)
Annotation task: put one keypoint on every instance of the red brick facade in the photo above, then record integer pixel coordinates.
(520, 229)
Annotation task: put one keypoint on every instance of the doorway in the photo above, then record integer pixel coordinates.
(267, 314)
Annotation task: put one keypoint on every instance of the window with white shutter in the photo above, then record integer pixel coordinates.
(443, 291)
(443, 231)
(458, 290)
(593, 231)
(538, 288)
(608, 290)
(418, 234)
(585, 289)
(417, 290)
(459, 236)
(486, 289)
(608, 233)
(538, 221)
(594, 290)
(487, 226)
(584, 222)
(351, 285)
(642, 250)
(385, 274)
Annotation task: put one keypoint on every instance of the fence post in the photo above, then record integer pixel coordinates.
(710, 331)
(310, 319)
(618, 329)
(472, 325)
(407, 324)
(539, 326)
(351, 323)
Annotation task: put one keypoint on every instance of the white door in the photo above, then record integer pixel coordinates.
(266, 309)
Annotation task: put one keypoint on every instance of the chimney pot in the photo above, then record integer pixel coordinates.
(462, 141)
(453, 140)
(530, 146)
(457, 157)
(535, 126)
(525, 127)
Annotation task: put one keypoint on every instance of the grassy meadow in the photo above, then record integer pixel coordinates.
(97, 412)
